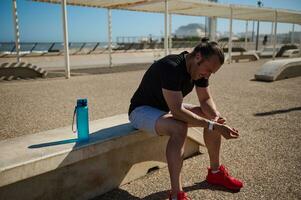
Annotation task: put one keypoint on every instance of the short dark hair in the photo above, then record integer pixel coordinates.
(209, 48)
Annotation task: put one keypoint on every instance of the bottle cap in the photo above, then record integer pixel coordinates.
(82, 102)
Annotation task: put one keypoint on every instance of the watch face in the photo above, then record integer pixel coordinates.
(209, 126)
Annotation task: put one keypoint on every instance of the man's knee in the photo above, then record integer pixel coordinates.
(179, 131)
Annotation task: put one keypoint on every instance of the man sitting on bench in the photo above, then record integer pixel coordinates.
(157, 107)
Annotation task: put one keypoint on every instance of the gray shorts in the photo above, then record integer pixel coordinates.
(145, 118)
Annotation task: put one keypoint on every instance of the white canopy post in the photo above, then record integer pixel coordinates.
(246, 35)
(275, 35)
(212, 28)
(300, 45)
(66, 41)
(257, 35)
(17, 33)
(253, 31)
(230, 37)
(272, 32)
(169, 35)
(110, 36)
(165, 28)
(292, 34)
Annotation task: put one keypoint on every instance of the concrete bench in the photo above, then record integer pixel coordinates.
(250, 56)
(267, 52)
(238, 56)
(52, 165)
(291, 53)
(279, 69)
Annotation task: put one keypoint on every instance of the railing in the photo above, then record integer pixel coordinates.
(84, 48)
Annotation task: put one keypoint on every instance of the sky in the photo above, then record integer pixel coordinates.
(42, 22)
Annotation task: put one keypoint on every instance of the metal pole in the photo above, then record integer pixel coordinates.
(230, 36)
(206, 26)
(272, 32)
(165, 28)
(275, 35)
(17, 33)
(66, 42)
(246, 36)
(170, 39)
(212, 29)
(253, 31)
(110, 36)
(300, 45)
(259, 4)
(292, 35)
(212, 25)
(257, 36)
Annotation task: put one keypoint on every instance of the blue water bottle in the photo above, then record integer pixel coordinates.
(82, 120)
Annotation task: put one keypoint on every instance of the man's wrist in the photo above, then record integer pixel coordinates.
(215, 126)
(211, 125)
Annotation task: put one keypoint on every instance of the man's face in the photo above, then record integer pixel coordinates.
(203, 68)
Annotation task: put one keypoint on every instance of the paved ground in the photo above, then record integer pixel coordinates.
(92, 60)
(266, 157)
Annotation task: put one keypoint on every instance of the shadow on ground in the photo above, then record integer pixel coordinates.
(274, 112)
(93, 70)
(119, 194)
(54, 73)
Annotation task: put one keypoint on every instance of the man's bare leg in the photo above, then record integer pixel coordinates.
(177, 130)
(212, 140)
(213, 143)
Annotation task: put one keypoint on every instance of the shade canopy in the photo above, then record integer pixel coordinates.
(193, 8)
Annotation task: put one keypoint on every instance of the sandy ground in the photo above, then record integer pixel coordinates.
(266, 156)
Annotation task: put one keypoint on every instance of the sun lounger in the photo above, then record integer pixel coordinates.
(22, 70)
(291, 53)
(238, 56)
(279, 69)
(6, 49)
(249, 55)
(267, 52)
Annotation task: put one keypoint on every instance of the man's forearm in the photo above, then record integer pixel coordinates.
(189, 117)
(209, 108)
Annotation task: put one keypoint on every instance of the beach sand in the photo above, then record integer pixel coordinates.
(268, 116)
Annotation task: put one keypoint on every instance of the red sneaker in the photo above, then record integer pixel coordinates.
(180, 196)
(223, 178)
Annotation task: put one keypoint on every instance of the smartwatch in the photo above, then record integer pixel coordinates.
(210, 127)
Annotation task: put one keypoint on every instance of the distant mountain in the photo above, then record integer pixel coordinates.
(191, 30)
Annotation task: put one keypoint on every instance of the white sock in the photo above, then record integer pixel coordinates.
(214, 171)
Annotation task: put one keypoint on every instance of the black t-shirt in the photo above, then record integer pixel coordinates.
(169, 73)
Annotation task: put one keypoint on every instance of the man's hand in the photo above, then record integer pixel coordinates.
(219, 119)
(227, 132)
